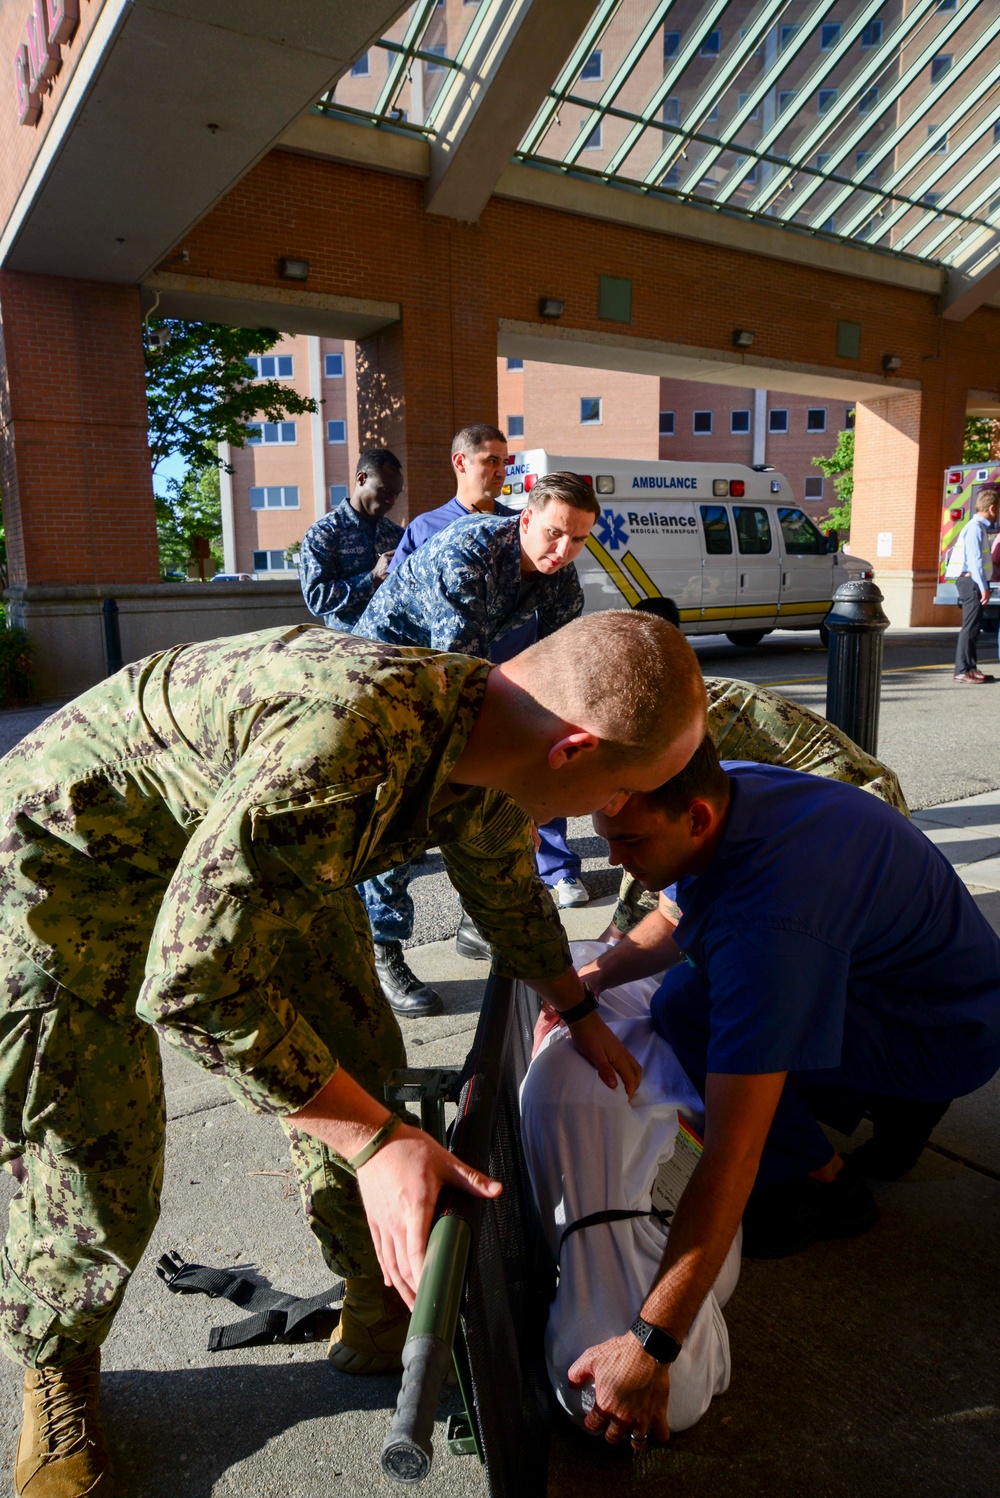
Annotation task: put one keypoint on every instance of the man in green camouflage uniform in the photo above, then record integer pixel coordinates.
(178, 849)
(751, 722)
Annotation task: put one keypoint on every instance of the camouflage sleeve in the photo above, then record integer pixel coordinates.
(561, 602)
(327, 587)
(497, 878)
(461, 610)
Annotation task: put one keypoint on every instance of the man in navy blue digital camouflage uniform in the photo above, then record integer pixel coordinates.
(345, 556)
(472, 583)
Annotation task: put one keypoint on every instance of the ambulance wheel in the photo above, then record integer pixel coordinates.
(824, 637)
(745, 636)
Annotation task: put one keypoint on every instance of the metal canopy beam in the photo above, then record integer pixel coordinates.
(974, 283)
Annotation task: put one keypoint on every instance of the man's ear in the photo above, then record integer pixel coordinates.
(571, 747)
(703, 815)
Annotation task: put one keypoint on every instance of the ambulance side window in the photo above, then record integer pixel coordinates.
(800, 536)
(753, 530)
(718, 536)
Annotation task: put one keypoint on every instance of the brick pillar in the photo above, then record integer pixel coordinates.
(74, 459)
(419, 381)
(902, 447)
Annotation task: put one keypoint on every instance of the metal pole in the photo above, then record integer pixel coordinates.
(408, 1451)
(112, 636)
(857, 623)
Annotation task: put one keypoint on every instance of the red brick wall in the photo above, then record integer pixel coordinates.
(77, 488)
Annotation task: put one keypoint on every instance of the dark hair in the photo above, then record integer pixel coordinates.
(471, 439)
(373, 460)
(702, 779)
(571, 488)
(663, 608)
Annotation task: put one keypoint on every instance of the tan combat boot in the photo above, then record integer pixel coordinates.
(372, 1329)
(61, 1451)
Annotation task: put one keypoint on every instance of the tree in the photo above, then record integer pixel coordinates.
(982, 440)
(200, 389)
(192, 507)
(840, 467)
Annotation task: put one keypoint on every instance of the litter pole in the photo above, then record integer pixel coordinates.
(857, 624)
(112, 636)
(408, 1452)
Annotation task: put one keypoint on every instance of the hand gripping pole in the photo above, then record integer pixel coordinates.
(408, 1450)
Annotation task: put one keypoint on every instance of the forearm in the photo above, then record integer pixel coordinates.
(648, 949)
(342, 1115)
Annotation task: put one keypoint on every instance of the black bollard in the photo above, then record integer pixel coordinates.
(856, 623)
(112, 636)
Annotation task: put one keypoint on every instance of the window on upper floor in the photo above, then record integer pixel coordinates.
(513, 365)
(595, 139)
(671, 43)
(590, 410)
(829, 36)
(338, 493)
(739, 422)
(826, 99)
(593, 67)
(816, 419)
(271, 561)
(666, 423)
(711, 44)
(777, 420)
(701, 423)
(361, 68)
(275, 497)
(270, 433)
(334, 364)
(941, 65)
(270, 366)
(515, 426)
(336, 431)
(872, 34)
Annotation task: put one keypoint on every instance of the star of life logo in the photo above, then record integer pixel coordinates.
(611, 530)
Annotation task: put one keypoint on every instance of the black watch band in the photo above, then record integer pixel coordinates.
(586, 1006)
(658, 1343)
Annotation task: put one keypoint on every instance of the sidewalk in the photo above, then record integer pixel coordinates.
(864, 1368)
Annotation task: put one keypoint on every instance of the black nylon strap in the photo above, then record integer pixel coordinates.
(276, 1317)
(613, 1214)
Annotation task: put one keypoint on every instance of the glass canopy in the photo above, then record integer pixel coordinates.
(873, 121)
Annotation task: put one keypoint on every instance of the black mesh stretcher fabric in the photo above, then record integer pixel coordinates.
(511, 1276)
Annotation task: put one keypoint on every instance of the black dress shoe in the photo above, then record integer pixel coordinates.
(404, 991)
(786, 1218)
(470, 941)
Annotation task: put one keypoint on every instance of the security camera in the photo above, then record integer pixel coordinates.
(160, 337)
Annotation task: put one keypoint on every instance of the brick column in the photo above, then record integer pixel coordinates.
(74, 459)
(902, 447)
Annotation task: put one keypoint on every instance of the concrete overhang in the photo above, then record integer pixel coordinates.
(170, 103)
(974, 282)
(983, 403)
(244, 305)
(677, 361)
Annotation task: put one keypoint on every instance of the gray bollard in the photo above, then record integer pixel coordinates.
(112, 636)
(856, 622)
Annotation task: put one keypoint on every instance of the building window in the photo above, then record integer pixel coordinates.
(701, 424)
(828, 226)
(861, 159)
(711, 44)
(338, 493)
(751, 176)
(592, 67)
(785, 97)
(336, 431)
(816, 419)
(777, 421)
(271, 561)
(822, 160)
(740, 104)
(814, 486)
(361, 68)
(787, 34)
(739, 422)
(275, 497)
(671, 177)
(931, 200)
(941, 65)
(513, 365)
(671, 43)
(712, 118)
(872, 34)
(829, 36)
(849, 419)
(335, 366)
(868, 100)
(827, 99)
(672, 111)
(595, 139)
(515, 426)
(947, 5)
(590, 410)
(436, 51)
(270, 433)
(666, 423)
(270, 366)
(940, 147)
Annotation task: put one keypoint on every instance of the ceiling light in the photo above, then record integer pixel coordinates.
(891, 362)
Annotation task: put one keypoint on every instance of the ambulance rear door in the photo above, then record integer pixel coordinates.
(642, 548)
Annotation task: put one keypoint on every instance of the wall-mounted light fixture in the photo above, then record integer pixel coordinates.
(550, 306)
(293, 270)
(891, 362)
(742, 337)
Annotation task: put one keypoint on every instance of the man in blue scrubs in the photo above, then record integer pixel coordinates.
(828, 963)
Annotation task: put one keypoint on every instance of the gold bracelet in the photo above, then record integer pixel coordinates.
(375, 1143)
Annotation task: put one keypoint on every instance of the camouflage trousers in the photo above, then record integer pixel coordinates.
(635, 903)
(82, 1128)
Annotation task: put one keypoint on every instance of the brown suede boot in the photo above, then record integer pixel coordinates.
(61, 1451)
(372, 1329)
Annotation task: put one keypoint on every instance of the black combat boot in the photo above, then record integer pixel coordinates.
(403, 989)
(470, 941)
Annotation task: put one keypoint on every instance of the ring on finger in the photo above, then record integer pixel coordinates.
(639, 1441)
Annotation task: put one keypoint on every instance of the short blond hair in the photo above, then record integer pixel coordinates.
(627, 676)
(988, 496)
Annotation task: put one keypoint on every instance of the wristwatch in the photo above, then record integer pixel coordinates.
(658, 1343)
(586, 1006)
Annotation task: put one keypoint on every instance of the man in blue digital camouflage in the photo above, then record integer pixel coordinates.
(178, 850)
(345, 556)
(465, 588)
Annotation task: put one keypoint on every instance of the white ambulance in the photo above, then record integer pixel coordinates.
(962, 484)
(727, 545)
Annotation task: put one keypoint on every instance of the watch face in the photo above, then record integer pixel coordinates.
(658, 1343)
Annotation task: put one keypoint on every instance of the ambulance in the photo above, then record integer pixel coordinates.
(726, 544)
(961, 487)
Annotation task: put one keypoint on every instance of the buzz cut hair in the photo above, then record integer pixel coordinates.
(702, 779)
(471, 439)
(628, 677)
(373, 460)
(988, 495)
(571, 488)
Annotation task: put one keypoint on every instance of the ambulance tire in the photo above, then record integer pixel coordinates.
(746, 636)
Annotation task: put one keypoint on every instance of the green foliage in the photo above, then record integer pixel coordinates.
(978, 440)
(200, 391)
(15, 665)
(192, 507)
(840, 467)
